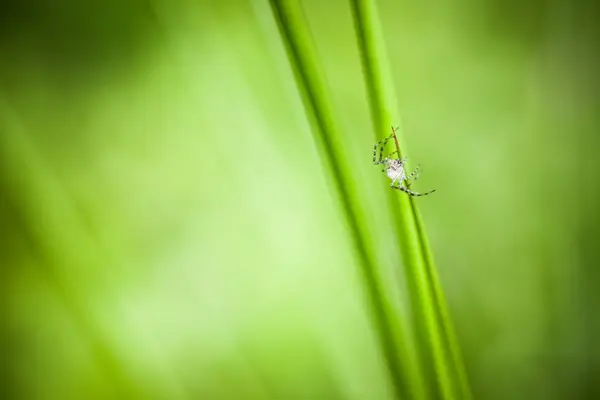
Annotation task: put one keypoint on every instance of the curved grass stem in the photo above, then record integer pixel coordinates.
(440, 351)
(310, 81)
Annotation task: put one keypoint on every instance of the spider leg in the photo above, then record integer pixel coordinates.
(383, 147)
(391, 154)
(380, 144)
(416, 173)
(410, 192)
(413, 176)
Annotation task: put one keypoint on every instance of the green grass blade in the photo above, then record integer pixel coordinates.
(431, 314)
(444, 315)
(310, 81)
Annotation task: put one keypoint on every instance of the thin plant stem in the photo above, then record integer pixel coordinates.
(310, 81)
(431, 314)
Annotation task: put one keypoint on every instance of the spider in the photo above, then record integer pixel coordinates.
(394, 168)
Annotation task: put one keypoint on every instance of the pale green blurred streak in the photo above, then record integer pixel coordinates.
(212, 244)
(168, 225)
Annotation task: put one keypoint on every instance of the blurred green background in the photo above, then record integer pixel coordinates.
(167, 231)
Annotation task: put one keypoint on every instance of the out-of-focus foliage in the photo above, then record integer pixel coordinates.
(167, 230)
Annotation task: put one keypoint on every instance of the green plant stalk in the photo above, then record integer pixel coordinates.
(432, 315)
(444, 315)
(309, 78)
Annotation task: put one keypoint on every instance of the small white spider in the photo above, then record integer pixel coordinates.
(394, 169)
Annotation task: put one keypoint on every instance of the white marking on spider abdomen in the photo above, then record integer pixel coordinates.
(396, 175)
(395, 171)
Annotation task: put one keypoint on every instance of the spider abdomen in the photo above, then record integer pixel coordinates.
(395, 174)
(395, 170)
